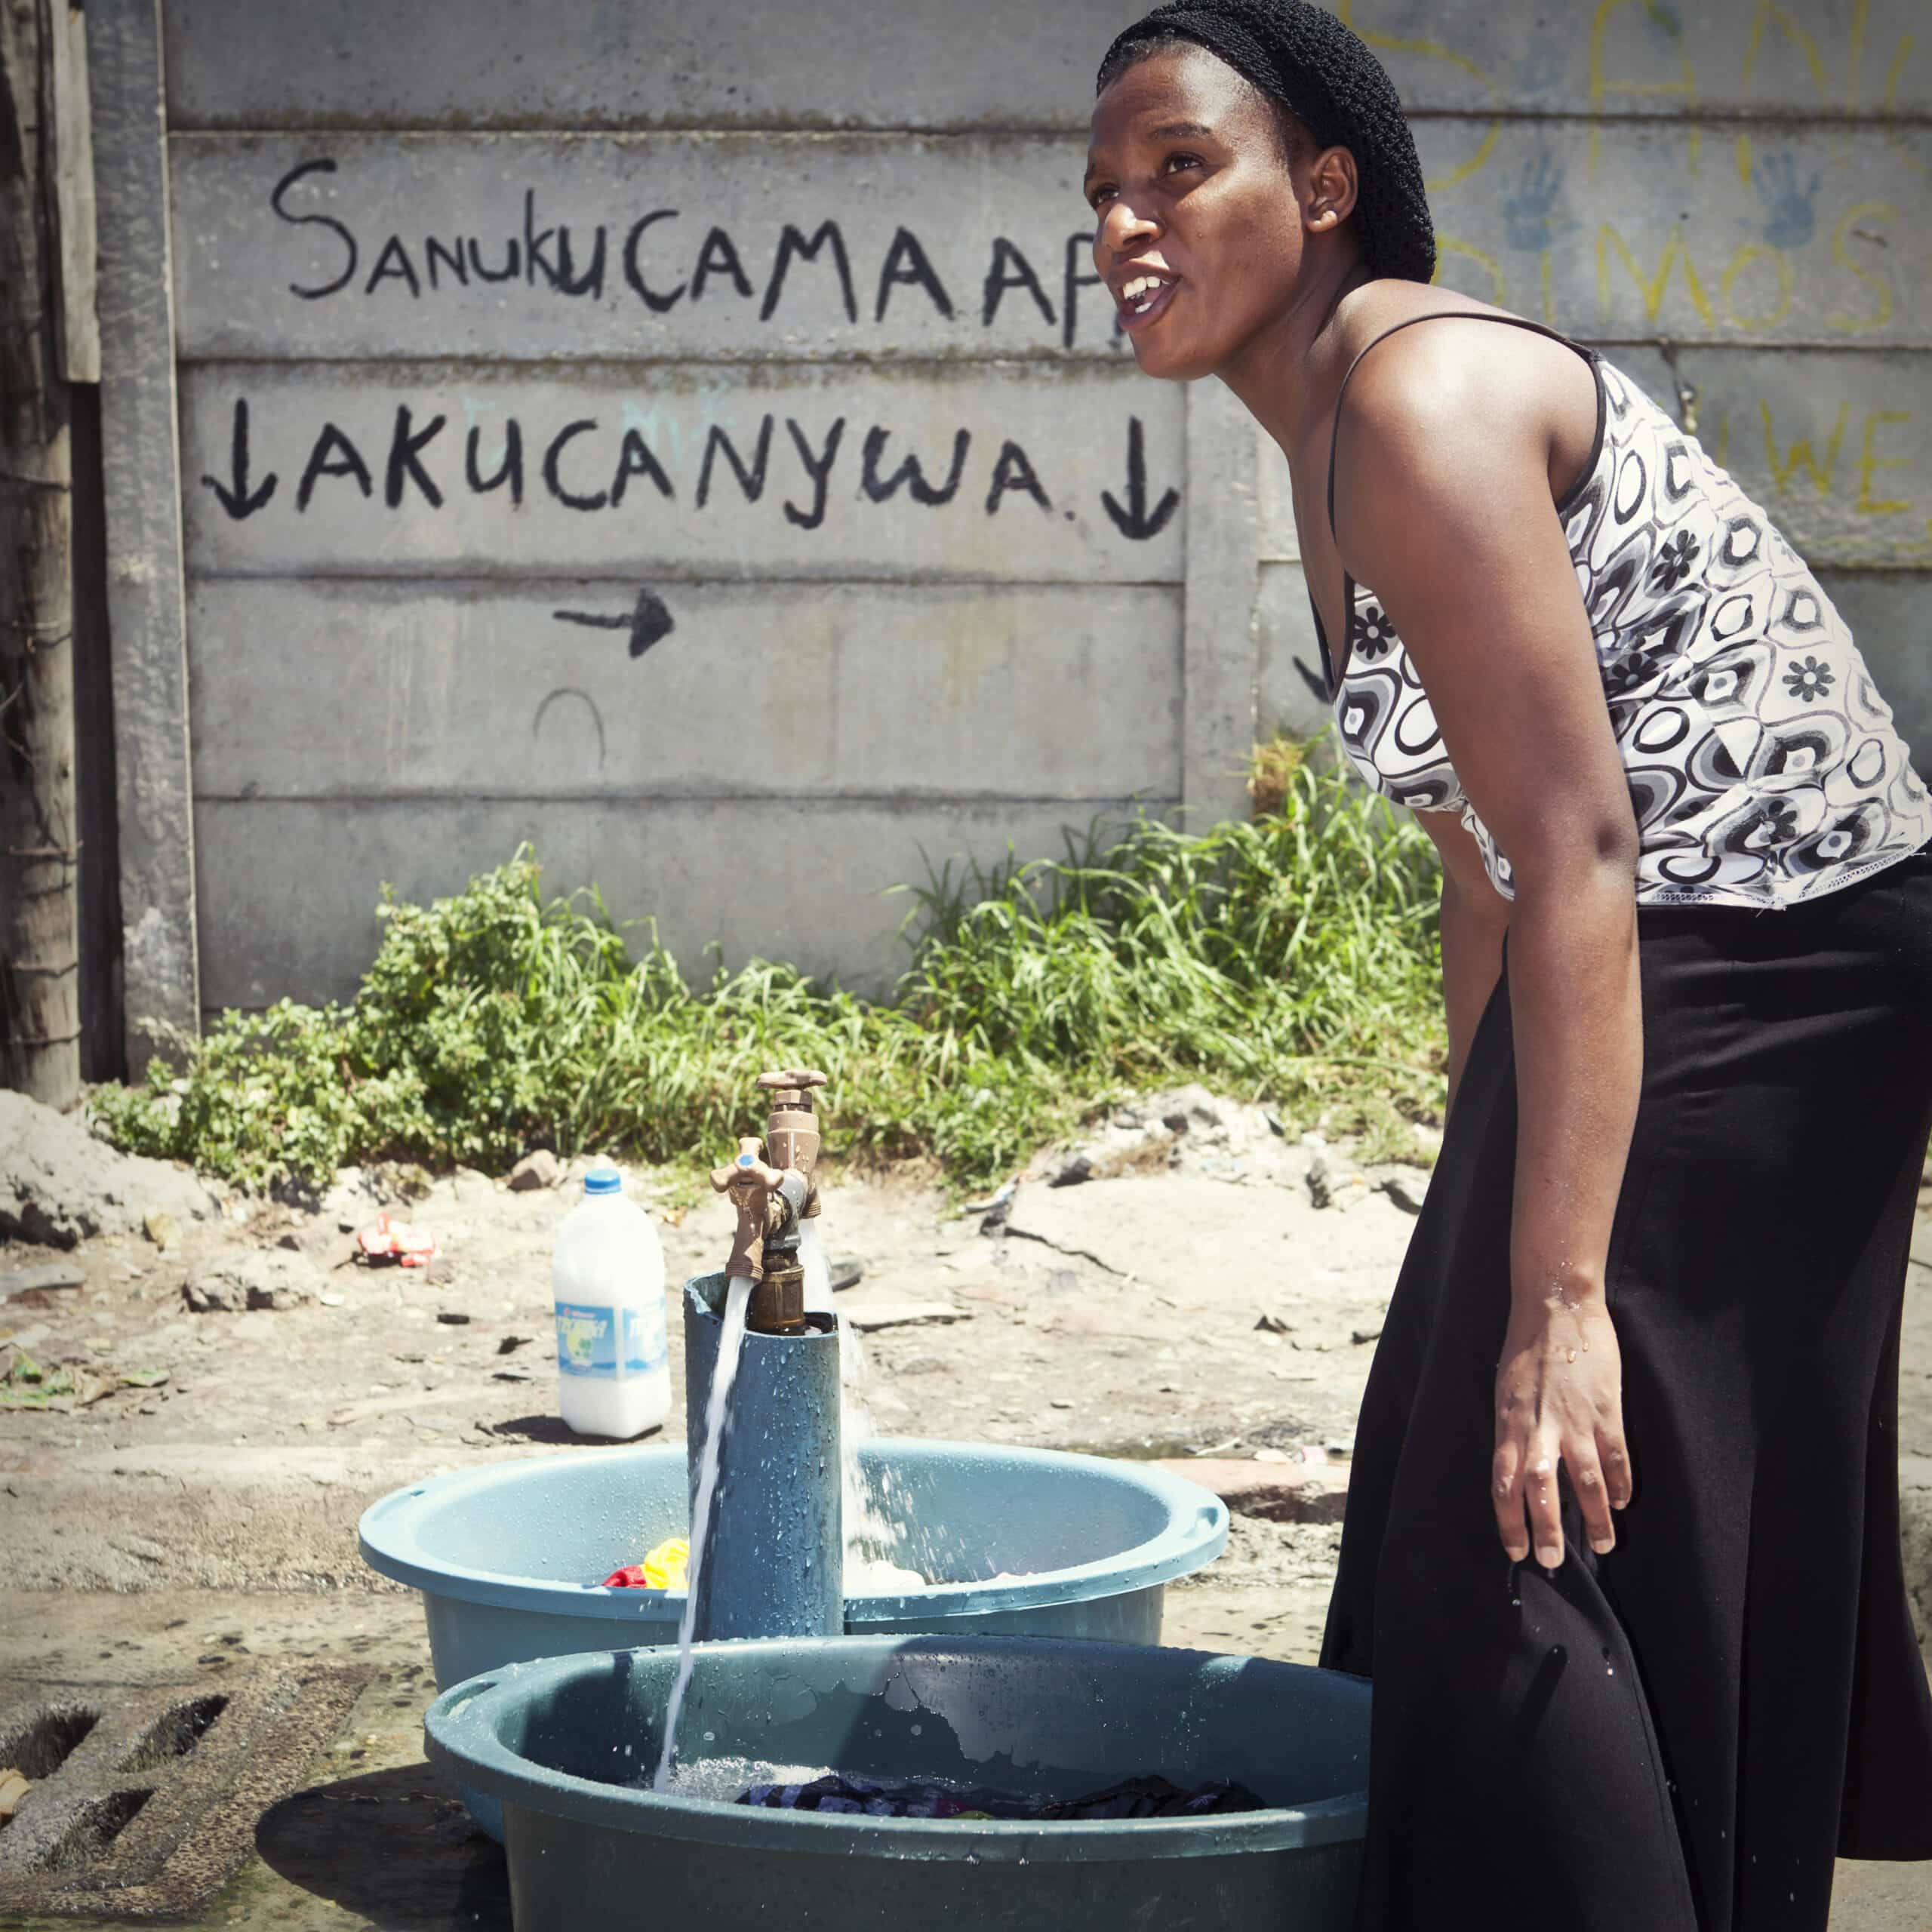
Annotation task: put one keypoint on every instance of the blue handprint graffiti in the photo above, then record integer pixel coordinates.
(1530, 214)
(1790, 218)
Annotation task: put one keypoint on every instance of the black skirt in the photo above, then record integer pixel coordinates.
(1679, 1736)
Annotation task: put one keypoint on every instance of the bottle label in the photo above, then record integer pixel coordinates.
(588, 1339)
(644, 1344)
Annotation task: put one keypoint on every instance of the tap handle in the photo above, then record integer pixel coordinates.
(799, 1078)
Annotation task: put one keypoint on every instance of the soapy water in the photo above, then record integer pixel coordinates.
(731, 1347)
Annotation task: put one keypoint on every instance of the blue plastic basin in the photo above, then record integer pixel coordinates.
(505, 1555)
(566, 1746)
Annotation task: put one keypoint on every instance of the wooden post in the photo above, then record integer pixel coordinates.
(39, 922)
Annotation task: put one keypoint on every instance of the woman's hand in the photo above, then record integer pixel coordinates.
(1559, 1402)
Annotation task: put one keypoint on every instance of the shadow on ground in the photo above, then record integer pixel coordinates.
(547, 1429)
(394, 1848)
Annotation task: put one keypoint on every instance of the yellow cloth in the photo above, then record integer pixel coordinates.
(664, 1568)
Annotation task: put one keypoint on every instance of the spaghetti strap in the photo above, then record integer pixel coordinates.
(1434, 315)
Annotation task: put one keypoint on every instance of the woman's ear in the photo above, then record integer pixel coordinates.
(1331, 196)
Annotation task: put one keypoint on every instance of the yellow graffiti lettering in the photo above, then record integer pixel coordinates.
(1652, 288)
(1770, 11)
(1434, 50)
(1783, 470)
(1602, 87)
(1755, 251)
(1894, 74)
(1869, 465)
(1453, 245)
(1841, 254)
(1720, 449)
(1542, 283)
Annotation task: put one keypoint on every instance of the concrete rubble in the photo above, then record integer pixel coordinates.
(59, 1187)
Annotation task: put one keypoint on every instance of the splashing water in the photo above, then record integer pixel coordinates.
(817, 1269)
(869, 1536)
(730, 1346)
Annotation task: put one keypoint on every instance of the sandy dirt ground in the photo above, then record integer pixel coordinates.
(1191, 1300)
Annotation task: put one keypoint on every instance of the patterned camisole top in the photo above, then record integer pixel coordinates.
(1762, 763)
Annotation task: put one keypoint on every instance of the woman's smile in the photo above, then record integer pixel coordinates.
(1143, 296)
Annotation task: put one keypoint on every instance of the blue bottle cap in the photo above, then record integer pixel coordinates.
(603, 1181)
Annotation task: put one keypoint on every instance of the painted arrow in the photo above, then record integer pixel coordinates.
(1135, 523)
(648, 621)
(237, 500)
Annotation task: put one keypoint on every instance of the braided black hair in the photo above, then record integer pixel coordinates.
(1304, 59)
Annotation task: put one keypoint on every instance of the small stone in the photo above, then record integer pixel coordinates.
(1320, 1186)
(511, 1375)
(160, 1229)
(50, 1276)
(261, 1277)
(290, 1242)
(1078, 1168)
(453, 1318)
(508, 1346)
(1061, 1402)
(540, 1168)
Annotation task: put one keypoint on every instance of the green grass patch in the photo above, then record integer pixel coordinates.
(1294, 959)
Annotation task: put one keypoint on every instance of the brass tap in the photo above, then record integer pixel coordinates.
(792, 1134)
(764, 1245)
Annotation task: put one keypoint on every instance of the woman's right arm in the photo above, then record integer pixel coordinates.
(1474, 917)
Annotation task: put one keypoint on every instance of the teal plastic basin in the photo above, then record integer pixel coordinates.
(566, 1747)
(505, 1555)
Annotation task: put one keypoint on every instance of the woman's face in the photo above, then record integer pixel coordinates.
(1199, 231)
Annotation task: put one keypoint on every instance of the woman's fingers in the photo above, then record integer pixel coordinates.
(1506, 1493)
(1586, 1478)
(1543, 1499)
(1614, 1455)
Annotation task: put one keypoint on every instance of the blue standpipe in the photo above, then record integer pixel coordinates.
(773, 1565)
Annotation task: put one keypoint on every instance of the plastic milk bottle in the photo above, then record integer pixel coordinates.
(607, 1276)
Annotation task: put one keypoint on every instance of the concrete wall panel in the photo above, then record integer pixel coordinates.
(1837, 448)
(312, 690)
(299, 246)
(238, 63)
(632, 467)
(1766, 233)
(808, 883)
(708, 246)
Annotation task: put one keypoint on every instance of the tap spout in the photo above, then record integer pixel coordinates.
(764, 1245)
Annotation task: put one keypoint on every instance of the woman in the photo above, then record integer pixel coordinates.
(1621, 1551)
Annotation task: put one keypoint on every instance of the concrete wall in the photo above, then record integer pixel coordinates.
(655, 433)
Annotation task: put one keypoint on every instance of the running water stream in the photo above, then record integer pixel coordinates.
(717, 1406)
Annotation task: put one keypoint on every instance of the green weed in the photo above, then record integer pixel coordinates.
(1294, 959)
